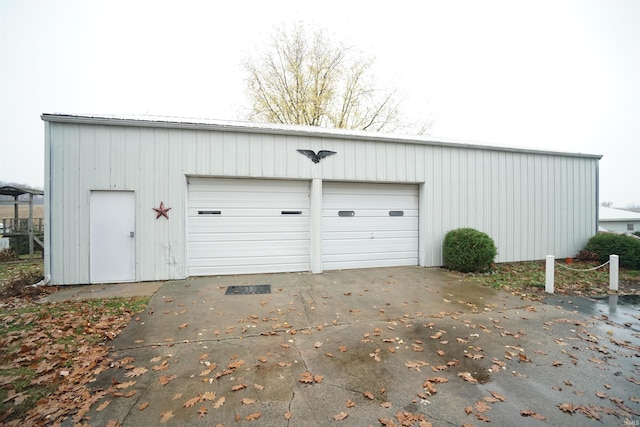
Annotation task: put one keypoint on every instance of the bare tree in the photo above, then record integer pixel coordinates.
(307, 78)
(606, 204)
(633, 207)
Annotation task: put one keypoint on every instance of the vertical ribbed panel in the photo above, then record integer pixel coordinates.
(532, 204)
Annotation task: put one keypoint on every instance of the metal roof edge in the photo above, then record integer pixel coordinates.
(294, 130)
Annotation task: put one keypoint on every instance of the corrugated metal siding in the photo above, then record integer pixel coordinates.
(531, 204)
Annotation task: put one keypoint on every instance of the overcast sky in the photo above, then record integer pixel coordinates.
(552, 75)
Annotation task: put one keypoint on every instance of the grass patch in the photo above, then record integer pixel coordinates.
(528, 278)
(48, 352)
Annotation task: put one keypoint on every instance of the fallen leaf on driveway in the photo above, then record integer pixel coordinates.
(191, 402)
(209, 395)
(523, 357)
(481, 406)
(467, 377)
(125, 385)
(202, 412)
(306, 378)
(136, 372)
(253, 417)
(219, 403)
(103, 405)
(143, 406)
(527, 413)
(238, 387)
(166, 416)
(248, 401)
(341, 416)
(567, 407)
(498, 396)
(166, 379)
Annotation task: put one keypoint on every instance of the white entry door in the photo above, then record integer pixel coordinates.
(112, 236)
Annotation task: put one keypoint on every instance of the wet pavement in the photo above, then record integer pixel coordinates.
(377, 347)
(622, 310)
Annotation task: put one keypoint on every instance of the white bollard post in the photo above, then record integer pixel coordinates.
(548, 282)
(614, 261)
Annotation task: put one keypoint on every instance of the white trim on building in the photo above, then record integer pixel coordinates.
(532, 203)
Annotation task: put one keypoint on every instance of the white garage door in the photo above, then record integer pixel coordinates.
(369, 225)
(247, 226)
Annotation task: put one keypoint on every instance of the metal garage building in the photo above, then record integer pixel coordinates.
(242, 199)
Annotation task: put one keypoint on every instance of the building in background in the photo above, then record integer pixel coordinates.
(137, 199)
(618, 220)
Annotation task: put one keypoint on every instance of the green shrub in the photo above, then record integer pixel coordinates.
(468, 250)
(626, 247)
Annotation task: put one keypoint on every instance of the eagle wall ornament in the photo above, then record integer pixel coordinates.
(315, 158)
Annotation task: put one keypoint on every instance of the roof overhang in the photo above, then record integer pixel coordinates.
(283, 129)
(9, 190)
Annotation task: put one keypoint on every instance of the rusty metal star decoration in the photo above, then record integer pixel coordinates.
(161, 211)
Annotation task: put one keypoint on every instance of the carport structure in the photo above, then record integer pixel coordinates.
(19, 228)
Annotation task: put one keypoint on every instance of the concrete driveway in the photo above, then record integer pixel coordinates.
(365, 347)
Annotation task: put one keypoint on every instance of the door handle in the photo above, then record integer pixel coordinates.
(131, 234)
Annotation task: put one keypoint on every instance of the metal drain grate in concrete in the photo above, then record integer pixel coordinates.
(248, 290)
